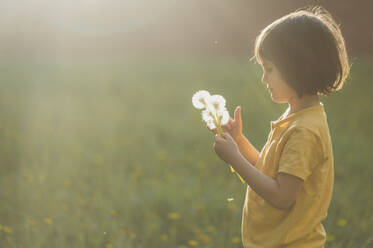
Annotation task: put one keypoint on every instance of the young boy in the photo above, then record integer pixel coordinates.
(290, 182)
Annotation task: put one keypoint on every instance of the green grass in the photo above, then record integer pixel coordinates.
(114, 153)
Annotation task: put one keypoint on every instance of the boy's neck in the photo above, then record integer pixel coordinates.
(296, 104)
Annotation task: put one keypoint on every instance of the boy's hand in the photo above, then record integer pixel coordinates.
(226, 148)
(233, 127)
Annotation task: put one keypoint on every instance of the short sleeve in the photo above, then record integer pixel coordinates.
(301, 153)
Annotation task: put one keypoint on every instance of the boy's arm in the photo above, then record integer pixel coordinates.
(247, 149)
(281, 192)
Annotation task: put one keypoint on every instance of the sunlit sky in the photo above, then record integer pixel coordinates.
(85, 15)
(111, 27)
(86, 26)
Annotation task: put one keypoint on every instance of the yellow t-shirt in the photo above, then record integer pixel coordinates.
(298, 144)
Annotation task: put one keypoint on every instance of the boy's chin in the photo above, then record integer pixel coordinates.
(278, 100)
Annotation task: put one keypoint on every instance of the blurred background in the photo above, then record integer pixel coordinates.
(102, 147)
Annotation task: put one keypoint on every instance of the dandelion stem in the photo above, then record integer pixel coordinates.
(220, 131)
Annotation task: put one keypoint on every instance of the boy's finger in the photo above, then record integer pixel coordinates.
(225, 127)
(229, 125)
(218, 138)
(212, 130)
(237, 114)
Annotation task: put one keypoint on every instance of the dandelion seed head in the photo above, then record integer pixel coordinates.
(200, 99)
(211, 125)
(224, 117)
(207, 115)
(215, 112)
(217, 101)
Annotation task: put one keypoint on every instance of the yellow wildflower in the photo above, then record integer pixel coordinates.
(205, 239)
(65, 208)
(29, 177)
(164, 237)
(199, 207)
(48, 221)
(98, 159)
(31, 222)
(236, 240)
(201, 164)
(173, 216)
(132, 235)
(342, 222)
(198, 230)
(192, 242)
(42, 176)
(152, 226)
(113, 212)
(168, 176)
(231, 206)
(210, 228)
(172, 230)
(330, 237)
(109, 246)
(67, 183)
(7, 229)
(162, 155)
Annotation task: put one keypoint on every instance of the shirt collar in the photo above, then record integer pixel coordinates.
(283, 121)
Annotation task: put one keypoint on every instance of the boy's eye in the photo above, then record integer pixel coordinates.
(269, 70)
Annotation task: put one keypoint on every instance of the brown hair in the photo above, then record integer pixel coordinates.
(308, 49)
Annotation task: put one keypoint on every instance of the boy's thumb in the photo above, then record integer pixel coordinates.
(237, 114)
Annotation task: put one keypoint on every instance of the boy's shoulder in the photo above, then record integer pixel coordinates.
(300, 129)
(313, 121)
(312, 128)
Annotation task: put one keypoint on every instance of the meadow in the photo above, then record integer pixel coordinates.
(113, 154)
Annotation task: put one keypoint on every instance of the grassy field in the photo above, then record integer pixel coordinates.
(113, 154)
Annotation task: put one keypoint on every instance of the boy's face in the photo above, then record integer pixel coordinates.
(280, 91)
